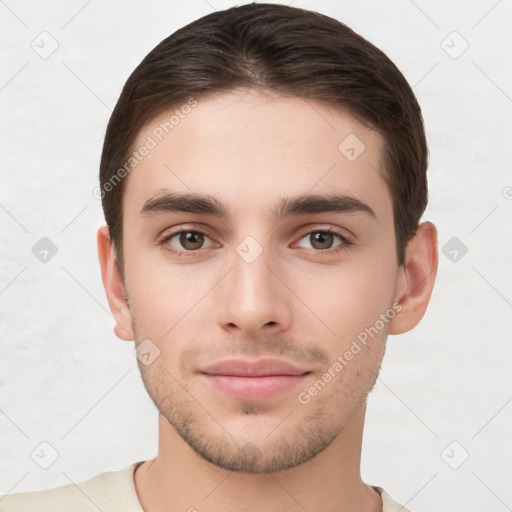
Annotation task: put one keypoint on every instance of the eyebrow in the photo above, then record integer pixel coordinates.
(299, 205)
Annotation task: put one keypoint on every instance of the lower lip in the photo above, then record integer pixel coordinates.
(254, 388)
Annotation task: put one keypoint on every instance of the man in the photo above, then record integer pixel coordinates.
(263, 177)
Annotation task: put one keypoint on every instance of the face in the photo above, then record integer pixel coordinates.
(291, 295)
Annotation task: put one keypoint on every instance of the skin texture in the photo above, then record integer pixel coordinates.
(299, 301)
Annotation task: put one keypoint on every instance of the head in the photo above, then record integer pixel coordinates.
(263, 177)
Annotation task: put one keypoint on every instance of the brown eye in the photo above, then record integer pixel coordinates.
(321, 239)
(188, 242)
(191, 240)
(185, 241)
(324, 240)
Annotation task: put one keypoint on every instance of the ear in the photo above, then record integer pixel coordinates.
(416, 279)
(114, 287)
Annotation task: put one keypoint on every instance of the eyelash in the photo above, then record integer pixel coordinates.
(343, 246)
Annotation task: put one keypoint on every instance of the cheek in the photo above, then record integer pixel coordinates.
(349, 299)
(165, 296)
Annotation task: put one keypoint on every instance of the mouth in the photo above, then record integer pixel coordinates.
(253, 380)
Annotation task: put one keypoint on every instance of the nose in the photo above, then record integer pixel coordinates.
(252, 299)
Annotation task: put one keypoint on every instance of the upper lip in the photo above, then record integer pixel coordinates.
(259, 368)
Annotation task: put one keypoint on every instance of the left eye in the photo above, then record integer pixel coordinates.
(322, 240)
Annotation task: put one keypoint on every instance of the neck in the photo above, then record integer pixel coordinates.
(179, 479)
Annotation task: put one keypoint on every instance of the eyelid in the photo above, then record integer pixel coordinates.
(200, 228)
(173, 232)
(312, 228)
(204, 230)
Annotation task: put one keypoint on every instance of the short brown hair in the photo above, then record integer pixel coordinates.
(288, 50)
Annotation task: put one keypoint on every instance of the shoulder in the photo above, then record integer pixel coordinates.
(112, 491)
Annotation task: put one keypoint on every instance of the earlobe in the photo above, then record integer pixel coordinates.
(114, 287)
(416, 280)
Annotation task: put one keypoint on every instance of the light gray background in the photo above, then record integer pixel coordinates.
(67, 380)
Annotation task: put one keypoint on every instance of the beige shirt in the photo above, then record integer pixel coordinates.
(113, 491)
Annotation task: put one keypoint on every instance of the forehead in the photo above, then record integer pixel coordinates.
(249, 149)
